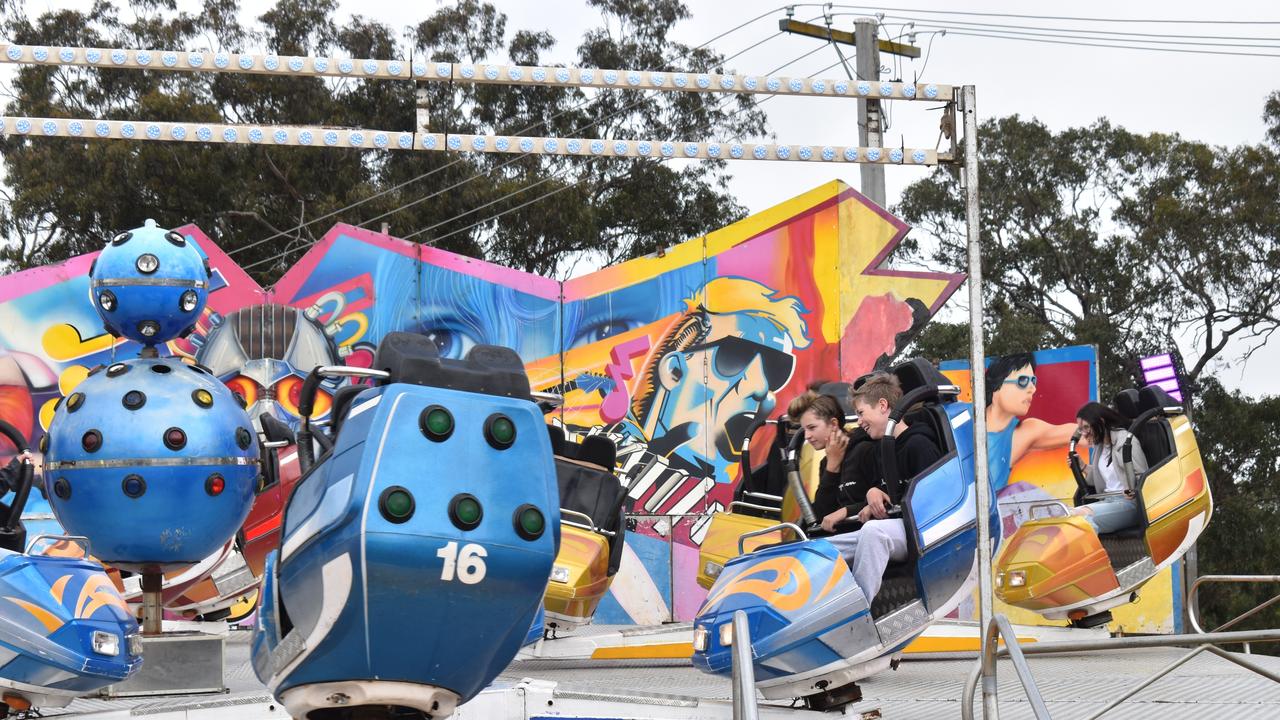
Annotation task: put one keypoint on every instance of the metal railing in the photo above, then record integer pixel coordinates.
(985, 668)
(744, 670)
(1193, 600)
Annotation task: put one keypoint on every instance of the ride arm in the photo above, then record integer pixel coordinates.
(307, 403)
(24, 478)
(794, 484)
(1077, 469)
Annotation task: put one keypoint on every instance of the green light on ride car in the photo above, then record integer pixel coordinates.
(396, 504)
(465, 511)
(529, 522)
(500, 431)
(436, 423)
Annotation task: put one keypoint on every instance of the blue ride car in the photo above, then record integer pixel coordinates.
(417, 548)
(813, 634)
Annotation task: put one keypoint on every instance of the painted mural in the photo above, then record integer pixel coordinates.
(1028, 430)
(672, 355)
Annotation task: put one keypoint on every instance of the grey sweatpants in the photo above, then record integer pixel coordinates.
(869, 550)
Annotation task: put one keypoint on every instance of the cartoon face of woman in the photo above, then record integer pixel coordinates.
(1016, 392)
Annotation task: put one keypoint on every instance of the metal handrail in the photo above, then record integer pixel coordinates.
(765, 531)
(1052, 504)
(1193, 611)
(588, 525)
(751, 506)
(745, 706)
(985, 668)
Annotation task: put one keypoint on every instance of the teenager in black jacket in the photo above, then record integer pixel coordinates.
(882, 538)
(848, 470)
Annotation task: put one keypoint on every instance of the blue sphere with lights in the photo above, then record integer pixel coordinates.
(149, 284)
(154, 460)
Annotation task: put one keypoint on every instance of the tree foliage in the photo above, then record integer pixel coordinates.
(267, 204)
(1137, 243)
(1133, 243)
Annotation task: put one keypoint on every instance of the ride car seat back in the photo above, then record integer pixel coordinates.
(918, 373)
(1155, 435)
(1126, 402)
(589, 487)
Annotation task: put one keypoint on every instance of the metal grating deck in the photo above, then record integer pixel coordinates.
(1074, 687)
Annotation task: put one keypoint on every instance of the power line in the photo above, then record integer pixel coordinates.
(1063, 17)
(563, 171)
(437, 193)
(1023, 38)
(1069, 34)
(1084, 31)
(358, 203)
(567, 186)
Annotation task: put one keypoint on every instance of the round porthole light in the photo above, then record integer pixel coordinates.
(396, 504)
(499, 431)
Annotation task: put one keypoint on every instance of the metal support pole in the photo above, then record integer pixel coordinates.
(152, 612)
(977, 366)
(744, 671)
(870, 119)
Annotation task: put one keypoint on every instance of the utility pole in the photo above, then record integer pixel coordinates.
(870, 117)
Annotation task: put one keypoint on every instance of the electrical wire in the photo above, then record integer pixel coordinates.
(564, 171)
(1069, 34)
(933, 34)
(953, 31)
(1060, 17)
(1083, 31)
(431, 172)
(514, 159)
(561, 189)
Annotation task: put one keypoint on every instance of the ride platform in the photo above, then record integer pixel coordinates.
(1074, 686)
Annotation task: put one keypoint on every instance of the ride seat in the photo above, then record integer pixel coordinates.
(1155, 436)
(1126, 402)
(584, 473)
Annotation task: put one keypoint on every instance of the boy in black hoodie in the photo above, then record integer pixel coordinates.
(881, 539)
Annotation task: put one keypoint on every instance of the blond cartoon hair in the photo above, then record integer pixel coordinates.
(720, 296)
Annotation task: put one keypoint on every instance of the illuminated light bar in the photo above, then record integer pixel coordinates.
(1162, 371)
(318, 136)
(313, 136)
(670, 150)
(421, 70)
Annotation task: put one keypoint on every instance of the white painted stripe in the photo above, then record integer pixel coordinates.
(363, 406)
(327, 510)
(364, 524)
(636, 592)
(336, 587)
(958, 518)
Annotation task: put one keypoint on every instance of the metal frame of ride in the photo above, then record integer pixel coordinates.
(960, 99)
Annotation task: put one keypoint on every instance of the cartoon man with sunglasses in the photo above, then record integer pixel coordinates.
(1011, 385)
(713, 371)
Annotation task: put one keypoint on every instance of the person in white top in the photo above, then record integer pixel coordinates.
(1105, 431)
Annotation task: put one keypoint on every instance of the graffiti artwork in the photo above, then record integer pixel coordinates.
(672, 355)
(1033, 403)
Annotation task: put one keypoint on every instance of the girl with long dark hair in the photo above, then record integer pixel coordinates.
(1106, 432)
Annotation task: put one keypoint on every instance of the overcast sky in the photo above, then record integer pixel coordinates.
(1213, 98)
